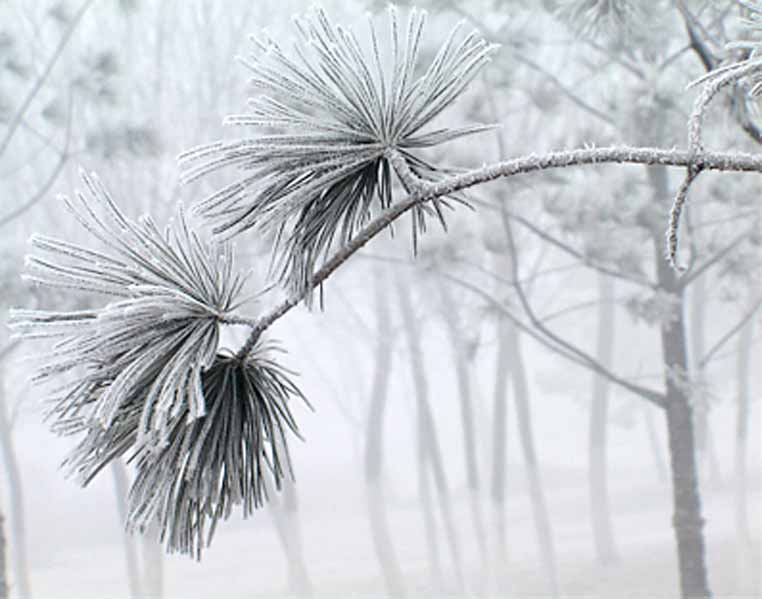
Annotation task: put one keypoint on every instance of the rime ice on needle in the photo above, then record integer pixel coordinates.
(332, 114)
(145, 370)
(220, 460)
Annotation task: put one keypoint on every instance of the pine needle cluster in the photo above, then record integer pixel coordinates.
(328, 113)
(144, 373)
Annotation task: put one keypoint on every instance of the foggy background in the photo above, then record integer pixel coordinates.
(137, 82)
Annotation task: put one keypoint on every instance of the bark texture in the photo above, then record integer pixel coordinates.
(687, 519)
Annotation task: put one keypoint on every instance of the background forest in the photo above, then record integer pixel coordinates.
(486, 417)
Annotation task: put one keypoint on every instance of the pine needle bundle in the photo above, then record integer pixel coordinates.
(144, 374)
(329, 115)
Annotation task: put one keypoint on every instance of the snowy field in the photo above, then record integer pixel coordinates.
(246, 559)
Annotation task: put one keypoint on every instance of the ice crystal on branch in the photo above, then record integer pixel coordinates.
(330, 114)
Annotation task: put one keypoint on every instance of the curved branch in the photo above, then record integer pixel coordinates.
(721, 161)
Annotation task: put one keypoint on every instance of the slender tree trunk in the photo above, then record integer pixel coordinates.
(500, 453)
(743, 535)
(706, 455)
(284, 509)
(429, 449)
(3, 544)
(526, 438)
(16, 495)
(600, 507)
(153, 563)
(379, 526)
(654, 443)
(687, 520)
(460, 362)
(121, 487)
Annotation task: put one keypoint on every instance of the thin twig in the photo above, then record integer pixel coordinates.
(729, 335)
(19, 116)
(42, 191)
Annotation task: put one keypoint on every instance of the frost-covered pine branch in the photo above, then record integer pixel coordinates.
(145, 375)
(336, 109)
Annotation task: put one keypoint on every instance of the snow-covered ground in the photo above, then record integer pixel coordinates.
(246, 560)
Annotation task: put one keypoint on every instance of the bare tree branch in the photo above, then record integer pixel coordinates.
(729, 335)
(42, 191)
(642, 281)
(587, 360)
(694, 274)
(21, 113)
(722, 161)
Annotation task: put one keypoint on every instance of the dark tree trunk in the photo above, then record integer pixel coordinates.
(429, 451)
(600, 507)
(706, 455)
(379, 393)
(687, 519)
(121, 489)
(15, 492)
(460, 361)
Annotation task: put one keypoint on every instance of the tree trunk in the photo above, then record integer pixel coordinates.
(705, 449)
(153, 563)
(654, 443)
(121, 486)
(16, 495)
(526, 437)
(285, 512)
(3, 579)
(379, 393)
(429, 450)
(460, 362)
(687, 520)
(600, 507)
(499, 451)
(743, 535)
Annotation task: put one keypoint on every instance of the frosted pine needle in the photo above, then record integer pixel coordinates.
(330, 110)
(134, 365)
(221, 459)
